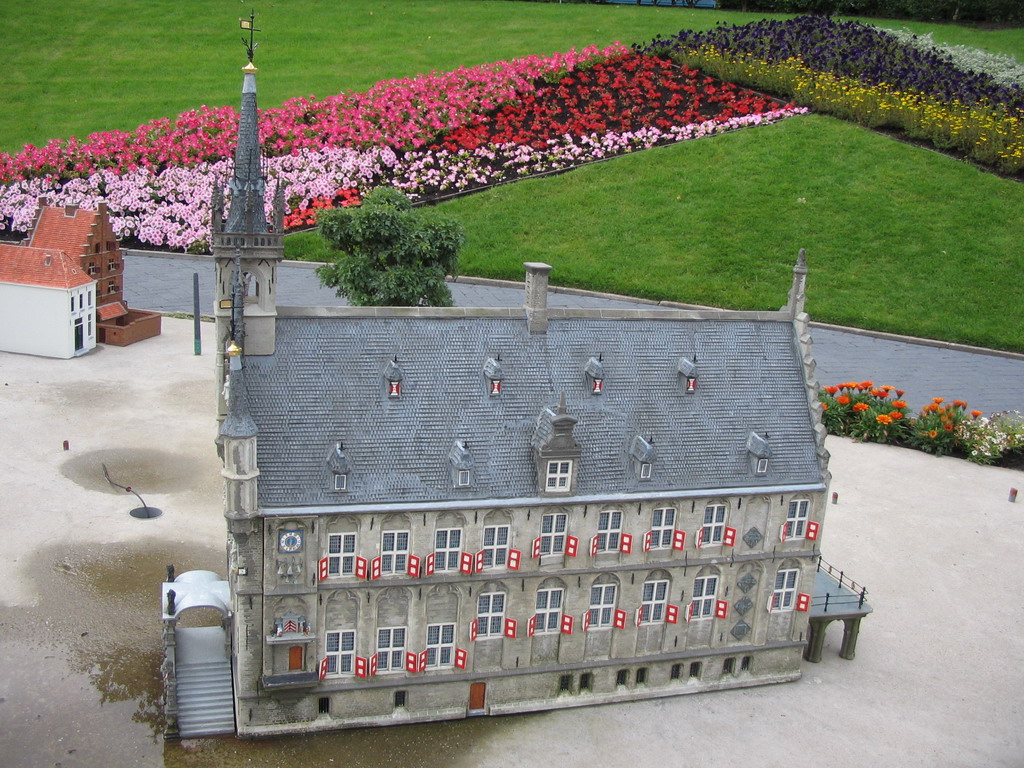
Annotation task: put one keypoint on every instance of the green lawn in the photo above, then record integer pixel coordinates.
(898, 238)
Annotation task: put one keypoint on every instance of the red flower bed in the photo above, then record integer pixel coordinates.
(623, 94)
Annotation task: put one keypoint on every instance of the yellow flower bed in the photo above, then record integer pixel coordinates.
(986, 133)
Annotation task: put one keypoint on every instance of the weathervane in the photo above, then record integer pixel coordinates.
(250, 46)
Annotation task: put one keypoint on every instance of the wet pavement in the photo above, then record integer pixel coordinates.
(988, 382)
(80, 629)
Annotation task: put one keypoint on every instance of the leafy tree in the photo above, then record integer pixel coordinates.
(391, 254)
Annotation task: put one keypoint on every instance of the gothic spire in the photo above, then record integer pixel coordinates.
(247, 185)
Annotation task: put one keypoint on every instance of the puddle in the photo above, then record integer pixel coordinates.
(80, 682)
(146, 470)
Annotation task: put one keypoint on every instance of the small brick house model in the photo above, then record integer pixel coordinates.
(435, 513)
(87, 236)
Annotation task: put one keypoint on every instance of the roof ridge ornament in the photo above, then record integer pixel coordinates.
(251, 45)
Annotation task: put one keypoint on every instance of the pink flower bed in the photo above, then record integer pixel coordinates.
(158, 180)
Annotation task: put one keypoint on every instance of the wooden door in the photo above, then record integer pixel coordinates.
(477, 696)
(295, 657)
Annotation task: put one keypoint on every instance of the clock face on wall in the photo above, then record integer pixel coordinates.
(289, 541)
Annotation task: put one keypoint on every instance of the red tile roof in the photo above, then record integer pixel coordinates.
(45, 267)
(111, 310)
(56, 229)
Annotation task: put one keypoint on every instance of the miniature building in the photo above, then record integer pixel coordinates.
(87, 235)
(442, 512)
(48, 286)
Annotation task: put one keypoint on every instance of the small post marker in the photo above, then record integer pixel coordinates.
(1013, 495)
(835, 497)
(67, 445)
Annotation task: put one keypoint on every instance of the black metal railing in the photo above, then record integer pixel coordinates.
(839, 601)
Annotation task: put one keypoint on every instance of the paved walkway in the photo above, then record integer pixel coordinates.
(988, 382)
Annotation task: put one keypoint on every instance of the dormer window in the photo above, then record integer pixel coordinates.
(394, 374)
(594, 372)
(555, 450)
(760, 452)
(338, 465)
(687, 374)
(643, 454)
(461, 460)
(494, 376)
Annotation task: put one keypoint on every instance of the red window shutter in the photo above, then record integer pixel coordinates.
(323, 668)
(812, 530)
(479, 561)
(638, 614)
(771, 602)
(567, 622)
(373, 665)
(729, 537)
(429, 566)
(593, 546)
(647, 541)
(678, 539)
(700, 538)
(474, 626)
(626, 545)
(413, 568)
(783, 530)
(375, 568)
(671, 614)
(361, 568)
(536, 547)
(321, 569)
(572, 546)
(423, 661)
(394, 388)
(586, 621)
(531, 626)
(412, 662)
(689, 612)
(510, 628)
(465, 562)
(620, 619)
(721, 609)
(460, 658)
(515, 557)
(803, 601)
(361, 666)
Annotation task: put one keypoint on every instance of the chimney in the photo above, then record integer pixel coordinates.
(536, 299)
(70, 211)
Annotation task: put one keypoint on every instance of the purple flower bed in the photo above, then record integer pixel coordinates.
(848, 49)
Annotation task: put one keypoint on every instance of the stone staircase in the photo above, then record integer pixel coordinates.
(205, 699)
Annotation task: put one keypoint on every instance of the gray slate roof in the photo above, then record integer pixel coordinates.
(325, 384)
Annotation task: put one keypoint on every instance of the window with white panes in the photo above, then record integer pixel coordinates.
(440, 645)
(705, 590)
(394, 551)
(796, 520)
(447, 548)
(653, 601)
(784, 595)
(549, 610)
(341, 554)
(602, 605)
(558, 478)
(390, 649)
(609, 531)
(663, 523)
(714, 525)
(495, 546)
(341, 652)
(552, 533)
(490, 614)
